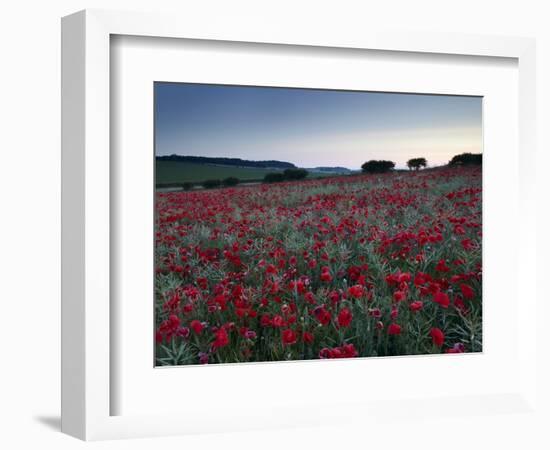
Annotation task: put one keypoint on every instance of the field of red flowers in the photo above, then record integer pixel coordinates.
(352, 266)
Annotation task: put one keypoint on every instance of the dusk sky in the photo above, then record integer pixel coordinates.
(313, 127)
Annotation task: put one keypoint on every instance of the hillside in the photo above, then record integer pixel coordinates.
(171, 172)
(332, 170)
(236, 162)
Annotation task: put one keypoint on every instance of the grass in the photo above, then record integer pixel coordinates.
(179, 172)
(175, 172)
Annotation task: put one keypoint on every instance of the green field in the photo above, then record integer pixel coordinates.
(168, 172)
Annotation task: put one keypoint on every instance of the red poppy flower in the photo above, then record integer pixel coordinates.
(442, 299)
(345, 351)
(309, 298)
(356, 291)
(467, 244)
(438, 337)
(289, 337)
(375, 312)
(322, 315)
(442, 266)
(394, 329)
(221, 338)
(404, 277)
(307, 337)
(416, 306)
(334, 296)
(325, 274)
(265, 320)
(196, 326)
(399, 296)
(467, 291)
(277, 321)
(344, 317)
(457, 348)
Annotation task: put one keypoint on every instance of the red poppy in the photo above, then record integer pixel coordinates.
(309, 298)
(442, 299)
(356, 291)
(375, 312)
(345, 351)
(438, 337)
(265, 320)
(416, 306)
(196, 326)
(442, 266)
(307, 337)
(467, 291)
(344, 318)
(289, 337)
(221, 338)
(467, 244)
(348, 351)
(325, 274)
(322, 315)
(404, 277)
(394, 329)
(457, 348)
(277, 321)
(399, 296)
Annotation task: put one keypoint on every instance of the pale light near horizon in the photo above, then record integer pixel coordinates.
(313, 128)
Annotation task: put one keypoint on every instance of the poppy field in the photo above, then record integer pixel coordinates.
(352, 266)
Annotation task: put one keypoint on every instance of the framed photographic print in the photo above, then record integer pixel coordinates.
(287, 221)
(343, 241)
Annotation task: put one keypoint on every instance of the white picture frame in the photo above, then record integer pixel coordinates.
(87, 383)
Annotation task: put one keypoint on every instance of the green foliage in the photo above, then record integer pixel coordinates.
(466, 159)
(210, 184)
(417, 163)
(295, 174)
(377, 166)
(274, 177)
(231, 181)
(287, 175)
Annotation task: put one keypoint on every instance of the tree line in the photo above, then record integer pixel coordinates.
(271, 177)
(237, 162)
(381, 166)
(372, 166)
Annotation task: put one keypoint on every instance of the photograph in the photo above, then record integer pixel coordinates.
(298, 224)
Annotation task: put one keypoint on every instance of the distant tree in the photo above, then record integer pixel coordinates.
(466, 159)
(274, 177)
(187, 186)
(231, 181)
(295, 174)
(377, 166)
(209, 184)
(416, 163)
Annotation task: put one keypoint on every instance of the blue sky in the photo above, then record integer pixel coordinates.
(313, 127)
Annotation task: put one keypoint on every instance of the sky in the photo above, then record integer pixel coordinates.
(314, 127)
